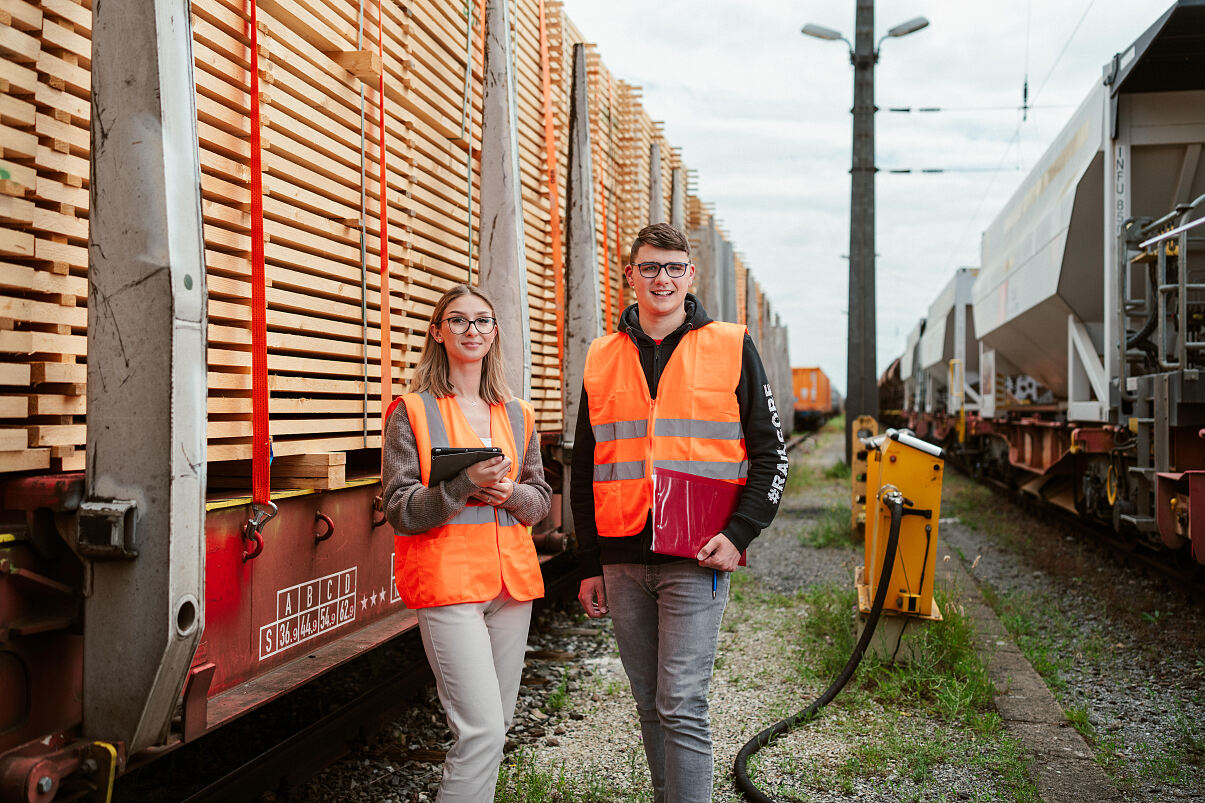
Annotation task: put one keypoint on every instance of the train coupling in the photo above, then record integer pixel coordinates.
(79, 770)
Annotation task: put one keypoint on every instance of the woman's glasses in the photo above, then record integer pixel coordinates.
(460, 325)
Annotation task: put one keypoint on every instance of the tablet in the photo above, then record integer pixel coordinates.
(448, 461)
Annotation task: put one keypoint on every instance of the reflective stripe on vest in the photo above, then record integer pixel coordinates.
(692, 427)
(714, 469)
(483, 514)
(439, 433)
(482, 549)
(631, 470)
(621, 430)
(476, 514)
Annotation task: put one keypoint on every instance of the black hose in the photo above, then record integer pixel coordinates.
(741, 775)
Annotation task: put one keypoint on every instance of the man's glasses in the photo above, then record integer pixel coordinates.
(460, 325)
(674, 270)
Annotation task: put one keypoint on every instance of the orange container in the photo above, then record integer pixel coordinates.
(813, 397)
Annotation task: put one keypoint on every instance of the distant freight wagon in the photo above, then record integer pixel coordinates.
(813, 398)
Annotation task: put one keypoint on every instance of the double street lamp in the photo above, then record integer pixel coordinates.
(861, 388)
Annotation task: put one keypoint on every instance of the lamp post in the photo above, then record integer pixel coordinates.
(861, 388)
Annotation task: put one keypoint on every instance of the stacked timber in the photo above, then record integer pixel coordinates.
(321, 66)
(45, 58)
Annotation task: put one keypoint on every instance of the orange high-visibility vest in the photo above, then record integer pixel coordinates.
(693, 426)
(480, 550)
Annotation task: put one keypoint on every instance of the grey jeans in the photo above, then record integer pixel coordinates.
(667, 625)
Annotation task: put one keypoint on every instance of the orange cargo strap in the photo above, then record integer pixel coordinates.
(554, 201)
(386, 312)
(262, 509)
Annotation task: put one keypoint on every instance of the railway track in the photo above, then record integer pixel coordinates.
(291, 763)
(1183, 574)
(279, 748)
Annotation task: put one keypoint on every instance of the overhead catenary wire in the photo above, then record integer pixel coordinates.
(903, 171)
(1005, 108)
(1025, 84)
(1016, 136)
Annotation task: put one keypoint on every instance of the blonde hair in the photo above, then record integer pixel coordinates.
(431, 373)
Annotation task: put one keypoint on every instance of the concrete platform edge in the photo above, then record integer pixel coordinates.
(1063, 767)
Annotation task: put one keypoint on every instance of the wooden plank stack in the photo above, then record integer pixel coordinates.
(321, 160)
(44, 82)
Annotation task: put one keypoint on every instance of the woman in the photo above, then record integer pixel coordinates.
(464, 556)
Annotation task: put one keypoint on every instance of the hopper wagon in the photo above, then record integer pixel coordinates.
(1087, 316)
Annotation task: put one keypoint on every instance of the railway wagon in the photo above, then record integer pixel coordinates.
(1087, 308)
(222, 229)
(813, 397)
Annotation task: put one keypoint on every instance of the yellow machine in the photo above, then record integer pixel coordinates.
(864, 426)
(901, 468)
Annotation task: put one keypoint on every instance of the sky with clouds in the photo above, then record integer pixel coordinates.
(761, 112)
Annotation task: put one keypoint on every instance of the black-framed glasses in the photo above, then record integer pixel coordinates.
(460, 325)
(674, 270)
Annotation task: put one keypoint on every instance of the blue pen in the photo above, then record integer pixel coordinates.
(715, 581)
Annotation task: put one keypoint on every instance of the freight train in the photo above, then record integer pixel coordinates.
(222, 230)
(1069, 363)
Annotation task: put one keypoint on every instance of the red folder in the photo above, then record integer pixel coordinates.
(689, 510)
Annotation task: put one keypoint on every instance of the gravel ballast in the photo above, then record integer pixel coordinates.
(1136, 675)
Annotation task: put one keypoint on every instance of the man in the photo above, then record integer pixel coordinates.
(671, 388)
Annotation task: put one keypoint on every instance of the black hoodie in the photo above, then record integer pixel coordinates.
(763, 441)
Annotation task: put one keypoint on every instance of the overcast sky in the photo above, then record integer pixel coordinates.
(762, 113)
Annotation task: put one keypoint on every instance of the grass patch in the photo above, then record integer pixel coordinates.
(520, 780)
(740, 585)
(802, 477)
(830, 530)
(946, 679)
(827, 637)
(972, 504)
(836, 425)
(936, 710)
(1173, 761)
(558, 696)
(1026, 616)
(805, 476)
(837, 471)
(1051, 643)
(1077, 715)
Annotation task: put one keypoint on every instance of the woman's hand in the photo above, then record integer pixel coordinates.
(495, 494)
(490, 477)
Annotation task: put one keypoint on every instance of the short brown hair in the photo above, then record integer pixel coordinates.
(660, 235)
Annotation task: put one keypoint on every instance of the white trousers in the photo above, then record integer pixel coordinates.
(476, 652)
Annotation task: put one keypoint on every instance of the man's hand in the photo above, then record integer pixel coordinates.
(593, 597)
(719, 553)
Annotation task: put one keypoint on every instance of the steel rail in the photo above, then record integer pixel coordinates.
(309, 751)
